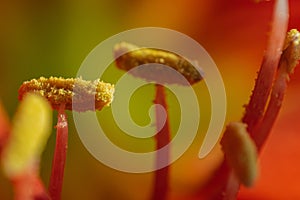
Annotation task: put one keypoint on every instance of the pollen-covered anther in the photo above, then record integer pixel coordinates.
(129, 56)
(291, 50)
(77, 94)
(240, 152)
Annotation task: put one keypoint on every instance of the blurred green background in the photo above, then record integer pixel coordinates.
(52, 38)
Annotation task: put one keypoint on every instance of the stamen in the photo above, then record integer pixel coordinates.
(288, 62)
(240, 152)
(30, 131)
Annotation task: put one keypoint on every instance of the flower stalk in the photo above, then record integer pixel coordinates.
(161, 179)
(60, 154)
(29, 186)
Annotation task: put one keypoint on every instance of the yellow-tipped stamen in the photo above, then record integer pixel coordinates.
(288, 61)
(240, 152)
(30, 131)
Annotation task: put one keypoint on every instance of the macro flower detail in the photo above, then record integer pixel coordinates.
(255, 157)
